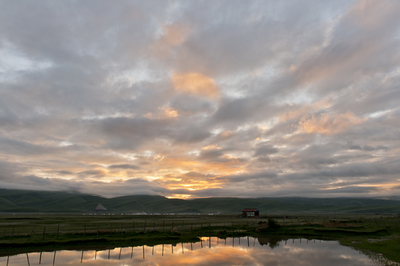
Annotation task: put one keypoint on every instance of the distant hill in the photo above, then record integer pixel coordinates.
(65, 202)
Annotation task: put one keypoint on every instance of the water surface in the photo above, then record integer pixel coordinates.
(210, 251)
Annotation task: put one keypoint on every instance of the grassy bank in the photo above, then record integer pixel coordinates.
(28, 233)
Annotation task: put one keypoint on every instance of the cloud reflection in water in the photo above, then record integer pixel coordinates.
(210, 251)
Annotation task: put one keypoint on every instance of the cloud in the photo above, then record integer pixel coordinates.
(265, 150)
(173, 35)
(210, 154)
(124, 166)
(163, 113)
(367, 147)
(236, 98)
(351, 189)
(95, 172)
(195, 83)
(329, 124)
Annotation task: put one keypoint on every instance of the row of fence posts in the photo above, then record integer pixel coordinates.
(145, 226)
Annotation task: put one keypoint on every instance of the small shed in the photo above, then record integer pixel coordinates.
(250, 212)
(100, 208)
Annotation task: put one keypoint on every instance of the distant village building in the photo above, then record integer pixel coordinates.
(250, 213)
(100, 208)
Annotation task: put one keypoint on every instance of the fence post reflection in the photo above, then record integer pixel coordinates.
(54, 258)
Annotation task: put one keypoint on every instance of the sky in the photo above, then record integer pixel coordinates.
(189, 99)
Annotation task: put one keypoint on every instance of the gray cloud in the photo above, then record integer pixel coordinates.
(265, 150)
(124, 166)
(305, 97)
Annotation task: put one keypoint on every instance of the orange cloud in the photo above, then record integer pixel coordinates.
(211, 147)
(195, 83)
(174, 35)
(163, 113)
(329, 124)
(209, 173)
(308, 108)
(226, 134)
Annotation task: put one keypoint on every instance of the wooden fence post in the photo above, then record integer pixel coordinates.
(31, 233)
(44, 231)
(58, 229)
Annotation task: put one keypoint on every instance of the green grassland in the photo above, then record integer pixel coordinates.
(21, 233)
(22, 201)
(44, 221)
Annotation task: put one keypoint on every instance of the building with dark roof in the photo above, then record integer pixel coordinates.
(250, 212)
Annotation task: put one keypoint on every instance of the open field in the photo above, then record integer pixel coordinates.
(24, 233)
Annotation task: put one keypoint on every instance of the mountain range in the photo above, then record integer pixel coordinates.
(27, 201)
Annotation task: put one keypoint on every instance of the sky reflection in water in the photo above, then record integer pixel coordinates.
(211, 251)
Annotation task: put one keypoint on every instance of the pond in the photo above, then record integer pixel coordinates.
(209, 251)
